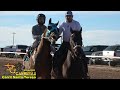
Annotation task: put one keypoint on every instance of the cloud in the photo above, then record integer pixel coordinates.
(23, 35)
(90, 37)
(101, 37)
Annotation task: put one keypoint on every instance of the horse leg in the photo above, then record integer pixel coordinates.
(84, 70)
(64, 70)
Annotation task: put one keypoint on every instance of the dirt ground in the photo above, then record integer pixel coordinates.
(4, 61)
(104, 72)
(95, 71)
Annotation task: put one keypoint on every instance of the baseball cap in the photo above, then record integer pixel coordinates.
(69, 13)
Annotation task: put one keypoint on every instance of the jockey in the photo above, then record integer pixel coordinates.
(37, 31)
(61, 54)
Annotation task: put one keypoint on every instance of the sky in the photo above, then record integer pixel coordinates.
(99, 27)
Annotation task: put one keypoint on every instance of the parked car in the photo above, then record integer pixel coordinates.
(88, 50)
(21, 48)
(1, 50)
(113, 50)
(98, 60)
(8, 49)
(16, 48)
(94, 50)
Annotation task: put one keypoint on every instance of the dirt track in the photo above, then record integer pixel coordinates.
(104, 72)
(95, 71)
(4, 61)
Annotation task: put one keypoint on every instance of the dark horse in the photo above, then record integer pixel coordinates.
(75, 65)
(41, 60)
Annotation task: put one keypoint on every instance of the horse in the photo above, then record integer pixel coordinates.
(41, 60)
(75, 65)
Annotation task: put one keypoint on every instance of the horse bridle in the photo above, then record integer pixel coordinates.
(51, 33)
(74, 45)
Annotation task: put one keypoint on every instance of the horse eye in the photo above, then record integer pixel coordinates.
(49, 27)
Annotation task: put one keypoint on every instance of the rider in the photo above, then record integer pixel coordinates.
(37, 31)
(65, 28)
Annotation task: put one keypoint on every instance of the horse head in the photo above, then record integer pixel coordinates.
(53, 31)
(76, 43)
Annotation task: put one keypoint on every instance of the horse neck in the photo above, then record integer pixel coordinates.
(43, 46)
(71, 48)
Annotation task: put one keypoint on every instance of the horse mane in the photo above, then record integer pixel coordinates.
(43, 43)
(44, 33)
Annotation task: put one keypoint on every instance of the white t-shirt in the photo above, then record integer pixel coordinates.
(65, 28)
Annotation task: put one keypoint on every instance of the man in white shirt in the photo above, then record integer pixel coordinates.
(65, 26)
(61, 54)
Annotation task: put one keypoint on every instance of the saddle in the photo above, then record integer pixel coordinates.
(30, 52)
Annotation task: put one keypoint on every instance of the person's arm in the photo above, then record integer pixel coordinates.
(35, 36)
(60, 30)
(78, 26)
(33, 31)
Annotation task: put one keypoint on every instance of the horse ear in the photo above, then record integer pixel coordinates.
(44, 34)
(71, 30)
(81, 29)
(50, 20)
(57, 23)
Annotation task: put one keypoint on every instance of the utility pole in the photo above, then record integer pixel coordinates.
(13, 37)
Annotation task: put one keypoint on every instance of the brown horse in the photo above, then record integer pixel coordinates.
(41, 60)
(75, 65)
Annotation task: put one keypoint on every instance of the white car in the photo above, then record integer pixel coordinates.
(112, 51)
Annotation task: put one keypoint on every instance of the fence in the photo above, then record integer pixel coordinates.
(108, 57)
(13, 53)
(89, 56)
(15, 56)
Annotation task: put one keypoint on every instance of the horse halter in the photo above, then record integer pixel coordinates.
(52, 32)
(74, 45)
(73, 51)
